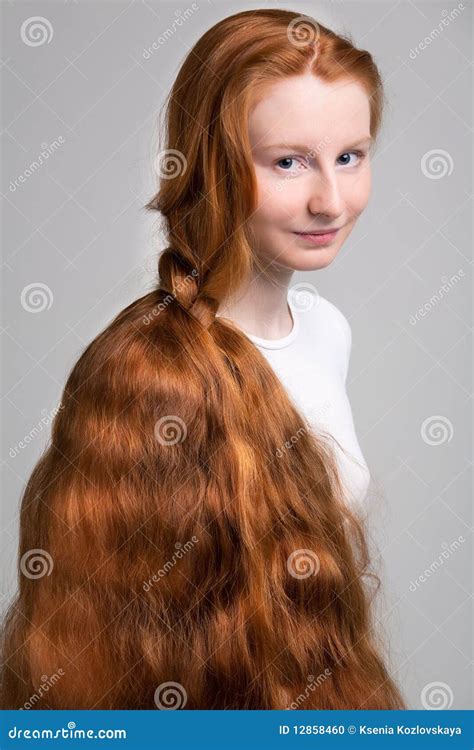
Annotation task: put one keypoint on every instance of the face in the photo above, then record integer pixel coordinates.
(310, 146)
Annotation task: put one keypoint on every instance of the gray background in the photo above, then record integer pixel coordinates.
(75, 224)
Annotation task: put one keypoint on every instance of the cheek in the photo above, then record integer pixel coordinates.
(358, 192)
(273, 203)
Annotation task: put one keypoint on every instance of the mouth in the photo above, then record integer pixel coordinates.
(320, 237)
(321, 231)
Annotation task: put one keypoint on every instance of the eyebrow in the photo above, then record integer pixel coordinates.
(306, 148)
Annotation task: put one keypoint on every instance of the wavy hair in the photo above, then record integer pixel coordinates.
(171, 548)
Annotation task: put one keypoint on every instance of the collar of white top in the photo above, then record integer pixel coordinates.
(285, 340)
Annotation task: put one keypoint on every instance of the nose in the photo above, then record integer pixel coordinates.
(325, 196)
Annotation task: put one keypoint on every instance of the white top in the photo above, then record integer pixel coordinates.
(312, 363)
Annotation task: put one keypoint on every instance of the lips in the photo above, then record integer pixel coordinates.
(321, 231)
(319, 238)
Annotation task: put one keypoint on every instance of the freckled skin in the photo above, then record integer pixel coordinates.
(326, 187)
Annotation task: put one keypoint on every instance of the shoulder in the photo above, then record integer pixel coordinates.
(342, 325)
(337, 317)
(330, 323)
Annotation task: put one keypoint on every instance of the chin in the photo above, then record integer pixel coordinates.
(308, 260)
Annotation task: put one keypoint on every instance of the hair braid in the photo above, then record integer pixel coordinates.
(180, 279)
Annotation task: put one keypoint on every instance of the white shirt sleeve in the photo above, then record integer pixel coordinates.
(344, 326)
(348, 339)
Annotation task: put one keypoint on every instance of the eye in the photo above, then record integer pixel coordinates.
(288, 159)
(360, 154)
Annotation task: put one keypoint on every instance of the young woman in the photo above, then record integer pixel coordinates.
(196, 520)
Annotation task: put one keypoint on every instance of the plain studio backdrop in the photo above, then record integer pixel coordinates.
(80, 109)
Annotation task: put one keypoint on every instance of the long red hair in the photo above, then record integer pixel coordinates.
(168, 545)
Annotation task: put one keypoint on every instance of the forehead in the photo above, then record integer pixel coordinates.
(305, 109)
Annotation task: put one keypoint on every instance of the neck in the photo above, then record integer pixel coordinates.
(260, 306)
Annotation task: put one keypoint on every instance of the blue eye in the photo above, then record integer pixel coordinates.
(360, 154)
(287, 159)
